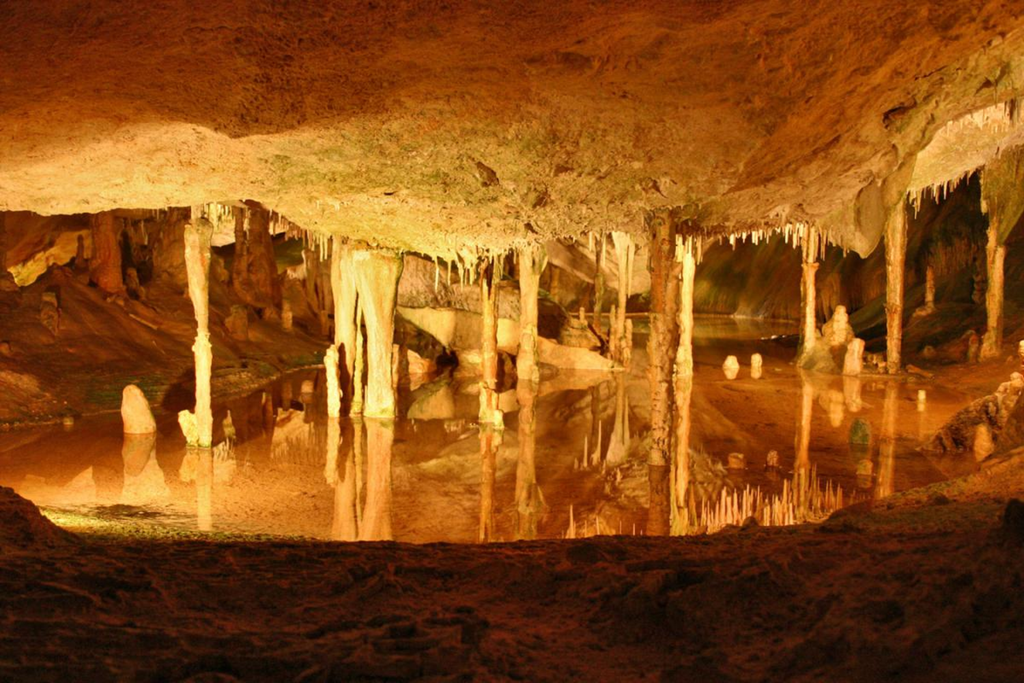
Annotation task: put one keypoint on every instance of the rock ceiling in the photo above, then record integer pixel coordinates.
(437, 126)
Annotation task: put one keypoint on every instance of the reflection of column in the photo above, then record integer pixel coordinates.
(684, 385)
(529, 500)
(204, 488)
(887, 442)
(340, 473)
(618, 442)
(376, 522)
(490, 439)
(659, 512)
(802, 466)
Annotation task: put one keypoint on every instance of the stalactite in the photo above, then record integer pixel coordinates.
(105, 264)
(532, 260)
(599, 283)
(624, 249)
(377, 274)
(895, 264)
(343, 284)
(490, 414)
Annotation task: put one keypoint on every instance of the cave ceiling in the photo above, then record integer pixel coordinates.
(444, 126)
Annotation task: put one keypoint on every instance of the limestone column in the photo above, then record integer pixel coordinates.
(105, 264)
(664, 330)
(198, 426)
(1002, 199)
(599, 284)
(895, 265)
(376, 522)
(684, 385)
(995, 255)
(377, 273)
(343, 284)
(531, 264)
(808, 296)
(490, 414)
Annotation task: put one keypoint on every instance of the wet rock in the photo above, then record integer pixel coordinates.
(5, 349)
(860, 432)
(983, 444)
(1012, 528)
(577, 333)
(837, 331)
(817, 359)
(237, 323)
(135, 412)
(49, 312)
(570, 357)
(23, 526)
(737, 461)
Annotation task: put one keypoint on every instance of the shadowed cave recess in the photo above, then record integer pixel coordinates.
(451, 341)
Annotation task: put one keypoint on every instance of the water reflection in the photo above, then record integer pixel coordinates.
(281, 467)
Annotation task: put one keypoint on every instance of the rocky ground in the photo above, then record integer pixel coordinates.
(924, 586)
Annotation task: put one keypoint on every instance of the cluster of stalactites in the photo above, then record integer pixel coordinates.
(937, 192)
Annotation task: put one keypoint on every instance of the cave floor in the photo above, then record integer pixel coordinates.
(923, 587)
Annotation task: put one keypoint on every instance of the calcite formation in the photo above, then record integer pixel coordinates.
(135, 412)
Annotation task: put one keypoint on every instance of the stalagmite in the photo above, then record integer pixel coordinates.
(664, 331)
(683, 386)
(853, 362)
(756, 366)
(490, 414)
(531, 265)
(198, 425)
(343, 285)
(377, 273)
(376, 522)
(731, 367)
(599, 284)
(895, 263)
(105, 264)
(135, 412)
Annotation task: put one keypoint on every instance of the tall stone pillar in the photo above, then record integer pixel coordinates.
(377, 273)
(343, 285)
(198, 425)
(599, 283)
(808, 296)
(662, 343)
(684, 385)
(490, 414)
(895, 267)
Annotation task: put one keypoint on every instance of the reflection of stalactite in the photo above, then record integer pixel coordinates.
(376, 522)
(887, 442)
(618, 442)
(340, 473)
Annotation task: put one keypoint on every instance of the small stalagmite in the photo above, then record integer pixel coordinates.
(135, 412)
(756, 366)
(853, 363)
(333, 388)
(731, 367)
